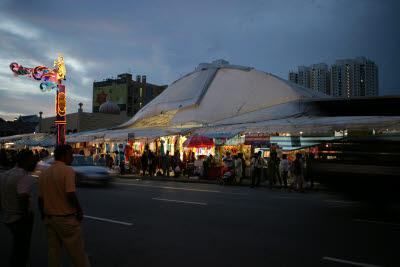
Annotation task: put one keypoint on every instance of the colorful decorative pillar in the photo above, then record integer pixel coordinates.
(51, 80)
(61, 120)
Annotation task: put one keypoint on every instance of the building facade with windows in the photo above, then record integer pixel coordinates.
(130, 95)
(346, 78)
(354, 78)
(315, 77)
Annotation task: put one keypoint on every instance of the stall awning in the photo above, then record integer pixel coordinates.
(44, 141)
(220, 135)
(22, 136)
(144, 134)
(80, 139)
(85, 136)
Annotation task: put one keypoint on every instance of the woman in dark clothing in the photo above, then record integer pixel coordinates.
(144, 162)
(152, 163)
(177, 161)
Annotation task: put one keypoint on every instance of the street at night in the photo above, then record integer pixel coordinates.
(136, 222)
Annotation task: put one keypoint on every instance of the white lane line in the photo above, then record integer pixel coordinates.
(343, 202)
(168, 187)
(379, 222)
(284, 197)
(171, 200)
(350, 262)
(106, 220)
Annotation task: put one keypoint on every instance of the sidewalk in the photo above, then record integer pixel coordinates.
(210, 180)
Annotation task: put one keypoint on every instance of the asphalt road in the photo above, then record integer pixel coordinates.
(150, 223)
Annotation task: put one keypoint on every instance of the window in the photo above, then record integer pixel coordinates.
(140, 92)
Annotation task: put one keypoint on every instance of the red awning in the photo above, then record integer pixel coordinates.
(198, 141)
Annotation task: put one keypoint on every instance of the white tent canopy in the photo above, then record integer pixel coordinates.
(219, 92)
(140, 134)
(224, 99)
(310, 125)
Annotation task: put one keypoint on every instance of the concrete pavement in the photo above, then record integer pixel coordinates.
(154, 223)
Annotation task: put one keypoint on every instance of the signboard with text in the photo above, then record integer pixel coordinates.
(257, 139)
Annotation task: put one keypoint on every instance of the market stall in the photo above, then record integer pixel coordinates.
(195, 143)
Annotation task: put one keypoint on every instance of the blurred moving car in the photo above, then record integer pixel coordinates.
(86, 170)
(364, 167)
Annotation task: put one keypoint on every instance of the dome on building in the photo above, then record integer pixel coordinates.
(109, 107)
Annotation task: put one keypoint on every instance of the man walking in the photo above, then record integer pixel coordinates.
(258, 163)
(61, 210)
(16, 206)
(284, 168)
(298, 172)
(144, 162)
(177, 161)
(273, 170)
(166, 163)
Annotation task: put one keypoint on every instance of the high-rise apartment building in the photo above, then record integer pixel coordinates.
(315, 77)
(346, 78)
(304, 76)
(354, 77)
(294, 77)
(319, 78)
(130, 95)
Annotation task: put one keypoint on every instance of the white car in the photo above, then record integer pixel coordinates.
(86, 171)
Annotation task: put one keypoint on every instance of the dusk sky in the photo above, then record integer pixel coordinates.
(168, 39)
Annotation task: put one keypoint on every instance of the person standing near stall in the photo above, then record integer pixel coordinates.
(16, 205)
(144, 162)
(243, 165)
(151, 162)
(109, 160)
(177, 161)
(166, 163)
(121, 163)
(238, 169)
(298, 172)
(273, 169)
(229, 164)
(206, 165)
(284, 168)
(257, 163)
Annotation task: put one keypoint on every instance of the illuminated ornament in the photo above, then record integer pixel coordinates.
(48, 86)
(51, 80)
(61, 71)
(61, 104)
(38, 73)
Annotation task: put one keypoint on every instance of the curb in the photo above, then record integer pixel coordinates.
(317, 187)
(171, 179)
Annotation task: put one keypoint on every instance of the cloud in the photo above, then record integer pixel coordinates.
(167, 39)
(21, 29)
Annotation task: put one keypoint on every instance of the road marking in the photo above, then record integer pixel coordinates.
(106, 220)
(387, 223)
(197, 203)
(343, 202)
(167, 187)
(350, 262)
(284, 197)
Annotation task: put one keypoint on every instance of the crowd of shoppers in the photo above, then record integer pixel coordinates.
(278, 171)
